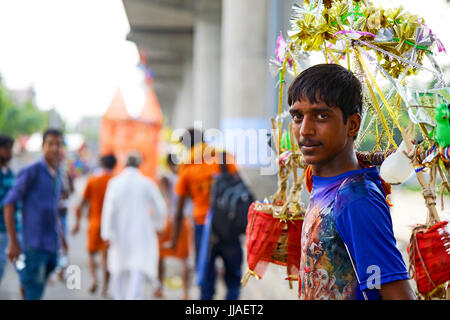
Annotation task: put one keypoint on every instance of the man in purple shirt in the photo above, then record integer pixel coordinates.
(38, 188)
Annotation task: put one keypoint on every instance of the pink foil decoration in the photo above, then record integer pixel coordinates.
(439, 43)
(281, 50)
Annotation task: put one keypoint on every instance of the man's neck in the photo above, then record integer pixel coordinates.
(340, 164)
(51, 166)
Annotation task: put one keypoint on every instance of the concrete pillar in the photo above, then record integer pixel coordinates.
(182, 116)
(206, 62)
(279, 20)
(245, 74)
(245, 63)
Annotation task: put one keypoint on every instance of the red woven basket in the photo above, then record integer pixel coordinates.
(271, 240)
(429, 253)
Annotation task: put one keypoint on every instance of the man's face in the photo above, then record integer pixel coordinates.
(6, 153)
(52, 148)
(320, 130)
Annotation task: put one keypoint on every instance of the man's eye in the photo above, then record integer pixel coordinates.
(297, 118)
(322, 116)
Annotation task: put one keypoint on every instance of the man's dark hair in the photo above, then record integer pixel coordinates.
(191, 137)
(108, 162)
(51, 132)
(6, 141)
(330, 83)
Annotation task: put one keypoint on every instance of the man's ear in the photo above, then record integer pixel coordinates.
(354, 124)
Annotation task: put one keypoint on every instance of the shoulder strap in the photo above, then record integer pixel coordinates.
(223, 163)
(346, 247)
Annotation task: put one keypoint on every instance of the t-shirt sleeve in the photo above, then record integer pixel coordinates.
(182, 185)
(365, 225)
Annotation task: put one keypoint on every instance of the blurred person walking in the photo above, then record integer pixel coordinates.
(38, 187)
(196, 178)
(6, 183)
(182, 249)
(93, 197)
(133, 212)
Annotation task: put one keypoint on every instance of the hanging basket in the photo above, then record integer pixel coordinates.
(270, 239)
(429, 254)
(280, 252)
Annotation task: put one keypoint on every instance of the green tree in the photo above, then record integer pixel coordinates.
(16, 120)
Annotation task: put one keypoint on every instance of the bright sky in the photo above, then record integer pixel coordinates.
(73, 52)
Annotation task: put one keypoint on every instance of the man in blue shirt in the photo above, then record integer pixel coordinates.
(38, 188)
(348, 246)
(6, 183)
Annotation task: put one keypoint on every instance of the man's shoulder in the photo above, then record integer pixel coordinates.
(31, 168)
(98, 178)
(146, 182)
(195, 169)
(359, 188)
(115, 179)
(128, 176)
(362, 182)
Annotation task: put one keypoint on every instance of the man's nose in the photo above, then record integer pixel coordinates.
(307, 127)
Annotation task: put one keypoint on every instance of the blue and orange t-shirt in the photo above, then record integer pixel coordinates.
(350, 208)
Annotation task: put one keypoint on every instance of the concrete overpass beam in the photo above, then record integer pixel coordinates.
(207, 62)
(183, 116)
(244, 96)
(162, 39)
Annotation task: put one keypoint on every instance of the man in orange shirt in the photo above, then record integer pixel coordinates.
(195, 181)
(93, 196)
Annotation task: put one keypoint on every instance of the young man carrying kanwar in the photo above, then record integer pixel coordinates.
(347, 225)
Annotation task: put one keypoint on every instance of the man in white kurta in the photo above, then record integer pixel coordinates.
(133, 212)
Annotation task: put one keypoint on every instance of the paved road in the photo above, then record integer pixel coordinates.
(408, 210)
